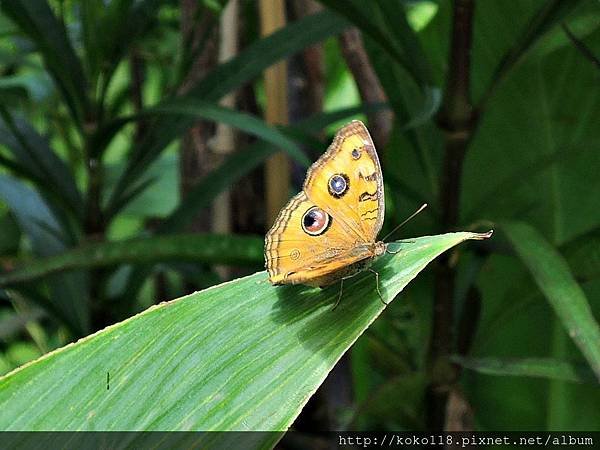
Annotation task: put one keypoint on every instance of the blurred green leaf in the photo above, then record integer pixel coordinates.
(583, 255)
(159, 193)
(554, 278)
(529, 367)
(208, 248)
(244, 355)
(201, 195)
(208, 111)
(510, 183)
(13, 323)
(33, 152)
(10, 235)
(550, 14)
(385, 22)
(240, 120)
(37, 21)
(34, 216)
(249, 64)
(546, 107)
(22, 352)
(110, 30)
(39, 223)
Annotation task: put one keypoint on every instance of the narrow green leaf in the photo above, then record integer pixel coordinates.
(248, 65)
(37, 21)
(553, 276)
(209, 248)
(209, 111)
(34, 154)
(251, 62)
(13, 323)
(33, 215)
(39, 223)
(240, 120)
(550, 368)
(236, 166)
(111, 29)
(243, 355)
(385, 22)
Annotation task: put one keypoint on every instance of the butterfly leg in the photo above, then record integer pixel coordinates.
(342, 289)
(377, 285)
(339, 296)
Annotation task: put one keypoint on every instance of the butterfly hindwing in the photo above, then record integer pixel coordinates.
(297, 253)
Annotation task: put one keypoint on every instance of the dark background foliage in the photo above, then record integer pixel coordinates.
(128, 121)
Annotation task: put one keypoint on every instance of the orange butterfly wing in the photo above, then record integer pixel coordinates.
(293, 256)
(361, 207)
(344, 190)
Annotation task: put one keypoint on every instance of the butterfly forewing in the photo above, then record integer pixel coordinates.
(360, 205)
(332, 223)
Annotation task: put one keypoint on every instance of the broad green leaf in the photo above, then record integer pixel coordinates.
(560, 200)
(529, 367)
(550, 14)
(243, 355)
(554, 278)
(511, 182)
(209, 248)
(38, 22)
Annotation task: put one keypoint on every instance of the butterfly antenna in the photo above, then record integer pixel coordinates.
(423, 206)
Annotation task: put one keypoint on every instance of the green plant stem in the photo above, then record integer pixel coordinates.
(456, 120)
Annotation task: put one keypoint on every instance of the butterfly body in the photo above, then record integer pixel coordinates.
(328, 231)
(372, 252)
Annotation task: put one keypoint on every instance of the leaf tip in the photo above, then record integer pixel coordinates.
(481, 236)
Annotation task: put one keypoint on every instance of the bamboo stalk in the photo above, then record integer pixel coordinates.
(277, 172)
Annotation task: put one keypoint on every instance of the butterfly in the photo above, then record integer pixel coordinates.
(328, 231)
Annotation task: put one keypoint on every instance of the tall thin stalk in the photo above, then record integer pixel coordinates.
(277, 176)
(457, 122)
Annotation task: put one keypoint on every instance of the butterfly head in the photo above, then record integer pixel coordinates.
(379, 248)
